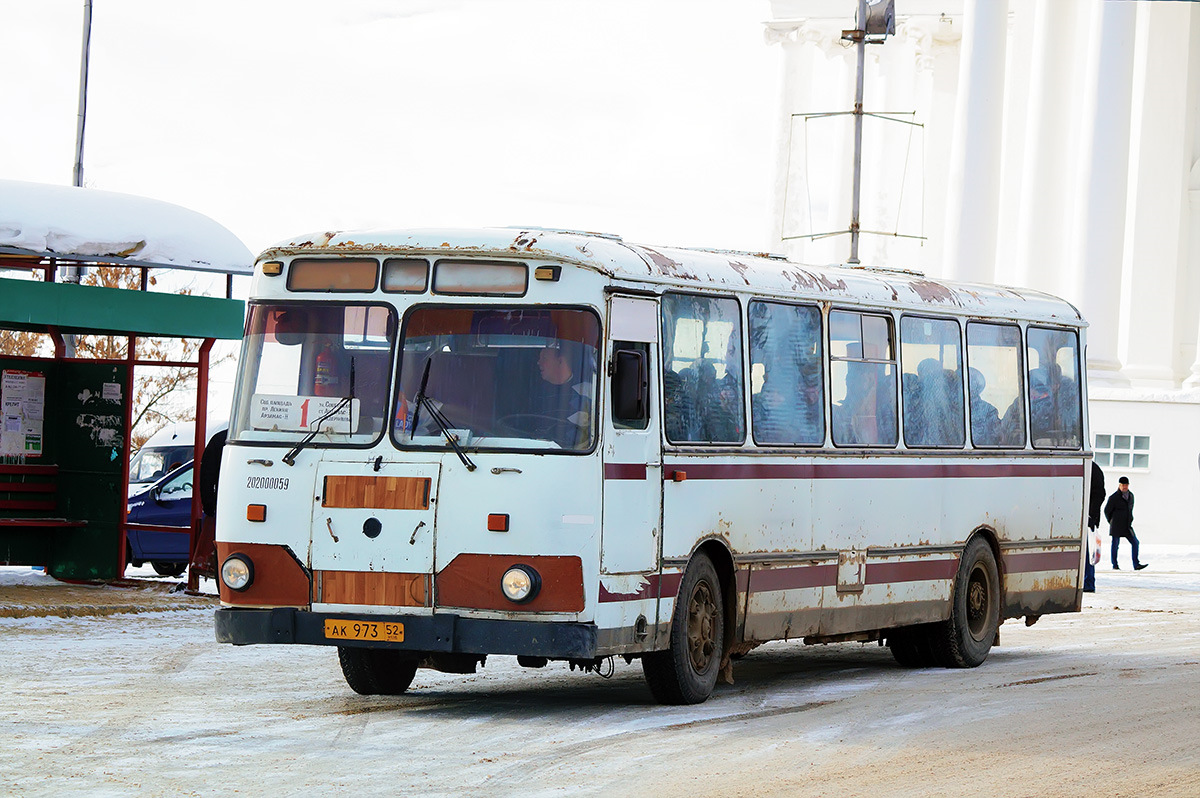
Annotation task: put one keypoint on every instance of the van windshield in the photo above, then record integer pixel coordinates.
(498, 378)
(151, 463)
(314, 367)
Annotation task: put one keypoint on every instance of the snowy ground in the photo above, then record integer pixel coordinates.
(1104, 702)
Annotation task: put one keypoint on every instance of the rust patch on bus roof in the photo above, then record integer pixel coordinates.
(741, 269)
(929, 291)
(668, 266)
(524, 241)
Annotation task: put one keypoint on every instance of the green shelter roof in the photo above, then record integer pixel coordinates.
(36, 306)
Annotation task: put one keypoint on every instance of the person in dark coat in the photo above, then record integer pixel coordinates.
(1118, 510)
(1096, 501)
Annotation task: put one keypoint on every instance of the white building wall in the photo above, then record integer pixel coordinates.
(1062, 152)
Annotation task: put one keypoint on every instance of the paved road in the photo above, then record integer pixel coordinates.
(1106, 702)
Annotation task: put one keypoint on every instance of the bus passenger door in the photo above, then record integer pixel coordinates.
(630, 534)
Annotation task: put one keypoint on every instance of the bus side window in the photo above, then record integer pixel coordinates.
(1054, 413)
(622, 383)
(702, 369)
(996, 402)
(787, 402)
(862, 379)
(932, 382)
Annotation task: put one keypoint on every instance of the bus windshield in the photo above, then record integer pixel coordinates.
(498, 378)
(314, 367)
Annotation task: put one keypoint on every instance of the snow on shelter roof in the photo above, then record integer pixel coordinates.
(85, 224)
(681, 268)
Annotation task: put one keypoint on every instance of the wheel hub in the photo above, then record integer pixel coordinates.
(702, 613)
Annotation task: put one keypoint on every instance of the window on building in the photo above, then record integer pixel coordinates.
(1122, 451)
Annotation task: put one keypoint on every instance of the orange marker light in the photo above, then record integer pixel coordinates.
(678, 476)
(498, 522)
(256, 512)
(273, 268)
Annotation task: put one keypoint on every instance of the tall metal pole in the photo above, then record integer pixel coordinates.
(860, 36)
(83, 81)
(73, 274)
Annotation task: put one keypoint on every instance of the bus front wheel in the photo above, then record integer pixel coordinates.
(686, 672)
(376, 671)
(975, 617)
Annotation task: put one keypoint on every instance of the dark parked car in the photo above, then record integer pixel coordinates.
(167, 502)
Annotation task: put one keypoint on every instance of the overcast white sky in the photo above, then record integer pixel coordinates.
(654, 119)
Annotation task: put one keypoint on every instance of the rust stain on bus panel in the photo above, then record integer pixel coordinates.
(933, 292)
(668, 266)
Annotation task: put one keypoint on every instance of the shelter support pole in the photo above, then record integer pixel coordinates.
(123, 527)
(201, 438)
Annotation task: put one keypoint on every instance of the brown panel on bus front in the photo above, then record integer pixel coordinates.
(279, 578)
(473, 581)
(379, 493)
(371, 587)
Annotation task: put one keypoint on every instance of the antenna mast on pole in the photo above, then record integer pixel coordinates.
(876, 20)
(83, 81)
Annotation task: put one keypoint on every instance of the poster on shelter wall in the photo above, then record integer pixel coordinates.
(22, 408)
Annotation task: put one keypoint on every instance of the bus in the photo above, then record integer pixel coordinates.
(560, 446)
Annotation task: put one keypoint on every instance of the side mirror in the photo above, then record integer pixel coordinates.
(630, 386)
(156, 494)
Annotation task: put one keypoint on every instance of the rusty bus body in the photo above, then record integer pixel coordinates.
(763, 451)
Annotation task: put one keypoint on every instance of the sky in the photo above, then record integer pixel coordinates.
(655, 119)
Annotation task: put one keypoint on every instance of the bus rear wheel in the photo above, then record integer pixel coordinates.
(377, 671)
(966, 638)
(687, 671)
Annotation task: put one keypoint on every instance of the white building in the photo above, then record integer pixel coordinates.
(1059, 149)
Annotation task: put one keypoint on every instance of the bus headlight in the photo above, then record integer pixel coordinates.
(237, 572)
(520, 584)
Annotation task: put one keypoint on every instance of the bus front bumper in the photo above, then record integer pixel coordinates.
(440, 632)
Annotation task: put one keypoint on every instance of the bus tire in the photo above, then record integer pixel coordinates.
(966, 638)
(168, 568)
(376, 671)
(687, 671)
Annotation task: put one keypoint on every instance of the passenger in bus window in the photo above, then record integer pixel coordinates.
(985, 419)
(867, 415)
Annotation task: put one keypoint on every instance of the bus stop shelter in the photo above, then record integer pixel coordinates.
(65, 439)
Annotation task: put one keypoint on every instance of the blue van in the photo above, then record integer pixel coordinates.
(166, 502)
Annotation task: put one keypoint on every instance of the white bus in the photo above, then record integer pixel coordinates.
(561, 446)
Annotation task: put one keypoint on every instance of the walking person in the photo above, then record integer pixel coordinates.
(1095, 502)
(1118, 510)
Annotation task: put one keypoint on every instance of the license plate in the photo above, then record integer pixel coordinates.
(364, 630)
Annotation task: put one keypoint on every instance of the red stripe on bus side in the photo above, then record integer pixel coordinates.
(792, 578)
(765, 580)
(657, 585)
(1044, 561)
(882, 573)
(624, 470)
(872, 471)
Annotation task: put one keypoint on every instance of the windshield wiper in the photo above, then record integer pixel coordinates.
(438, 417)
(290, 457)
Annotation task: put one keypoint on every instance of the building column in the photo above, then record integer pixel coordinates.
(973, 195)
(1044, 209)
(1162, 155)
(1194, 255)
(937, 42)
(1099, 233)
